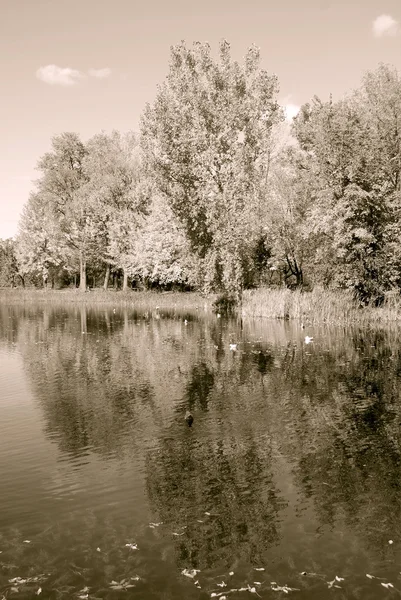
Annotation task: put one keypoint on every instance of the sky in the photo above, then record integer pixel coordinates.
(91, 65)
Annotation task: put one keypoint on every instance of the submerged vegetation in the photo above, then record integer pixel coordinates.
(217, 193)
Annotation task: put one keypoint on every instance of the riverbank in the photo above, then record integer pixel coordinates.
(316, 307)
(110, 298)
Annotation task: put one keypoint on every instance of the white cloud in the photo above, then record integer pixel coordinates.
(54, 75)
(385, 25)
(291, 111)
(100, 73)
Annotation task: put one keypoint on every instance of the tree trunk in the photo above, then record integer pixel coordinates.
(82, 273)
(125, 280)
(106, 277)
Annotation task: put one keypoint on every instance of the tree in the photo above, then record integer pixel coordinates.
(39, 245)
(118, 194)
(161, 253)
(206, 143)
(352, 155)
(60, 187)
(9, 274)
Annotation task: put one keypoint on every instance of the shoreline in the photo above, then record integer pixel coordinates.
(317, 307)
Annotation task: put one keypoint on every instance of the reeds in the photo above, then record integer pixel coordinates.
(318, 306)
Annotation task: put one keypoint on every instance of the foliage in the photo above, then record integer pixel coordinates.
(206, 140)
(218, 194)
(9, 274)
(352, 152)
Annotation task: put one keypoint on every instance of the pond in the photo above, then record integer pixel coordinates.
(287, 483)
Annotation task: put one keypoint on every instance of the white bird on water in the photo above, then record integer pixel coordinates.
(308, 339)
(233, 346)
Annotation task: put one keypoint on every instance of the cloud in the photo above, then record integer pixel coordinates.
(385, 25)
(54, 75)
(291, 111)
(100, 73)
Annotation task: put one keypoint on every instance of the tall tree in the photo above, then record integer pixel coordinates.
(206, 141)
(40, 247)
(351, 151)
(60, 186)
(118, 194)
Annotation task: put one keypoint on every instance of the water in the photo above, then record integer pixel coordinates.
(292, 464)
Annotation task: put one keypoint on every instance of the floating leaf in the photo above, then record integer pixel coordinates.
(98, 549)
(282, 588)
(190, 572)
(38, 591)
(390, 542)
(387, 585)
(259, 568)
(231, 573)
(26, 542)
(333, 583)
(132, 546)
(222, 584)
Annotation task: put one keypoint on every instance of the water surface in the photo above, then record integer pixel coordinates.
(290, 473)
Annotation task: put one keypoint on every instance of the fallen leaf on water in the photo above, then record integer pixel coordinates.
(132, 546)
(153, 525)
(231, 573)
(207, 513)
(124, 584)
(259, 568)
(26, 542)
(390, 542)
(222, 584)
(98, 549)
(333, 583)
(190, 572)
(282, 588)
(387, 585)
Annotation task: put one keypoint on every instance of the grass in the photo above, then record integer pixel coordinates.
(318, 306)
(110, 298)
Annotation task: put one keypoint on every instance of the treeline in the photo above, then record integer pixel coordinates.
(215, 193)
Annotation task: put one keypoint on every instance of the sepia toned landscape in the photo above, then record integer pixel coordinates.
(200, 301)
